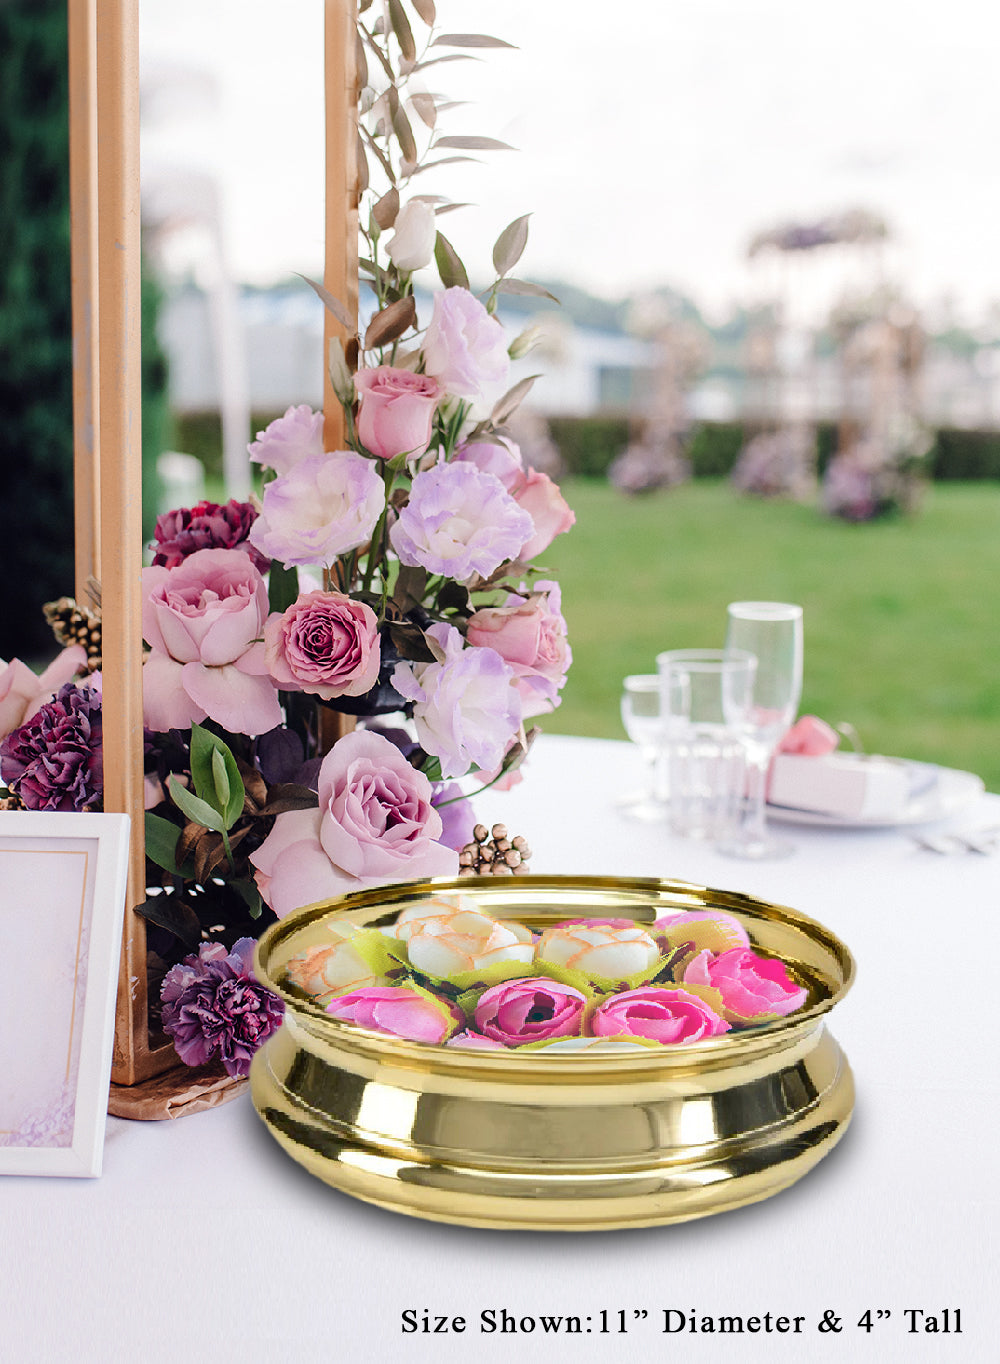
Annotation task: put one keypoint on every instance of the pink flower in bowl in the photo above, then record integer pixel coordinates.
(753, 988)
(664, 1014)
(398, 1011)
(532, 1009)
(204, 622)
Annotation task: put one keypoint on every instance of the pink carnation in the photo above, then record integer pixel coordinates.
(464, 347)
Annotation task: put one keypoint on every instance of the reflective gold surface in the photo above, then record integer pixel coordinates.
(568, 1141)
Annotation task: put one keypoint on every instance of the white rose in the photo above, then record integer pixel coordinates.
(600, 950)
(324, 971)
(411, 246)
(466, 941)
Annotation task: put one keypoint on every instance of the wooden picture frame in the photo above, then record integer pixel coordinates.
(62, 901)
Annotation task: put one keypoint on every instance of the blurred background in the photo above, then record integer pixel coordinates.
(775, 371)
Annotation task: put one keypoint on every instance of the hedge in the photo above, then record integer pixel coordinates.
(589, 444)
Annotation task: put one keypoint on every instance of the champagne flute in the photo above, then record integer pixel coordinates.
(772, 632)
(642, 716)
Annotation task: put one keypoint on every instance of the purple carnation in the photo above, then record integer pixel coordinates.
(206, 526)
(56, 760)
(214, 1009)
(459, 522)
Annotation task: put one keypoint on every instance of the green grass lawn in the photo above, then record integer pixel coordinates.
(902, 617)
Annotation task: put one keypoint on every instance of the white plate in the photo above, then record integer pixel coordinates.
(949, 793)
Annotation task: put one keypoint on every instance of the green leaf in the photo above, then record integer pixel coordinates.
(404, 133)
(197, 810)
(334, 304)
(463, 143)
(402, 30)
(216, 777)
(250, 895)
(425, 107)
(282, 586)
(176, 916)
(469, 40)
(449, 264)
(384, 212)
(512, 400)
(390, 324)
(161, 841)
(441, 161)
(522, 286)
(510, 245)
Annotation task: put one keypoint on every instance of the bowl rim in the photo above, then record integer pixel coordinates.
(721, 1050)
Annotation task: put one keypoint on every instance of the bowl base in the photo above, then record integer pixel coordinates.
(705, 1154)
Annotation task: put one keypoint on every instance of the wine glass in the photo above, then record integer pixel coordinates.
(772, 632)
(643, 720)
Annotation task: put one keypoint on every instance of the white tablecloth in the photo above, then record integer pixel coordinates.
(203, 1241)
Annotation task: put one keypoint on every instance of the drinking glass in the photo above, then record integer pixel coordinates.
(643, 721)
(772, 632)
(705, 755)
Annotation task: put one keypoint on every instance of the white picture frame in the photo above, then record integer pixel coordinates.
(62, 902)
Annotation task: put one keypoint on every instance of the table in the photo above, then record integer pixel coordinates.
(203, 1241)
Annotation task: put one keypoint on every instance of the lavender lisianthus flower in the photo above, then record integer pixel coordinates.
(289, 439)
(458, 819)
(213, 1009)
(459, 522)
(466, 708)
(208, 525)
(56, 760)
(324, 506)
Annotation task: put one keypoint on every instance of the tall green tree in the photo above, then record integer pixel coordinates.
(36, 377)
(36, 362)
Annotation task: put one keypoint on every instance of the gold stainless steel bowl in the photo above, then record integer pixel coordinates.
(569, 1141)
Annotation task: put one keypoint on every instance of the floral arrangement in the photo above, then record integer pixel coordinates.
(447, 972)
(398, 576)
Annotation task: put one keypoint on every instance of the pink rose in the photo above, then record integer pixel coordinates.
(752, 987)
(474, 1041)
(530, 633)
(396, 410)
(399, 1011)
(23, 691)
(542, 500)
(375, 823)
(464, 347)
(326, 644)
(662, 1014)
(530, 1010)
(203, 622)
(711, 928)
